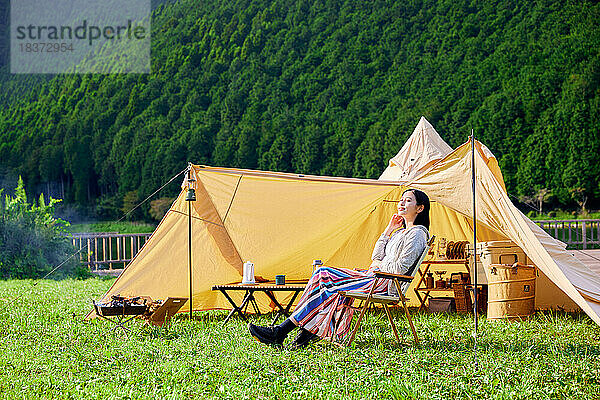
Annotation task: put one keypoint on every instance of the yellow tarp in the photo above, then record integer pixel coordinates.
(280, 222)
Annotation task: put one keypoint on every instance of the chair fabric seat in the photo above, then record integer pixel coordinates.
(376, 298)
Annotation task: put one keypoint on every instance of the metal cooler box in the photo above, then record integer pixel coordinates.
(496, 252)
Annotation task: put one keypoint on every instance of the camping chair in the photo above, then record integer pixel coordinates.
(387, 300)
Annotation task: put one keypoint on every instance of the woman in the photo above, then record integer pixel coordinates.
(321, 307)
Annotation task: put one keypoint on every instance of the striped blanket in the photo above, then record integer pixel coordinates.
(321, 307)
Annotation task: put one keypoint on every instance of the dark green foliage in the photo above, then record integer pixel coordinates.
(32, 241)
(329, 88)
(159, 207)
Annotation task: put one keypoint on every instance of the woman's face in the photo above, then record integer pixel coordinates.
(407, 206)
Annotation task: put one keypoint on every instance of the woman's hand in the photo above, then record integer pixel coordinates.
(395, 222)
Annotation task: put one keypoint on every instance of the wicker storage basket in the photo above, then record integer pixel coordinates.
(462, 298)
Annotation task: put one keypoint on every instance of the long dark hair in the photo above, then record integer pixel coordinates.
(422, 200)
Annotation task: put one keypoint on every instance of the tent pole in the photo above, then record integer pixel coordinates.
(189, 197)
(190, 252)
(475, 289)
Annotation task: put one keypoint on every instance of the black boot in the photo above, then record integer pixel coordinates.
(267, 334)
(272, 335)
(303, 339)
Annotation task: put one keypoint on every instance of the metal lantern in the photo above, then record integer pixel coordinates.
(191, 193)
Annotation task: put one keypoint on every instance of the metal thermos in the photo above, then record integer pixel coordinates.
(248, 273)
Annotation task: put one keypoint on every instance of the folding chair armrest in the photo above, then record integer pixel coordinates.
(389, 275)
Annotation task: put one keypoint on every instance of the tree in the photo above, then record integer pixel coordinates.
(537, 199)
(579, 195)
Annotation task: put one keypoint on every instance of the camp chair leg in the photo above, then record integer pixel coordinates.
(389, 315)
(345, 308)
(334, 336)
(412, 327)
(362, 312)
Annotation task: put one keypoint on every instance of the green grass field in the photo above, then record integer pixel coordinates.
(562, 215)
(48, 351)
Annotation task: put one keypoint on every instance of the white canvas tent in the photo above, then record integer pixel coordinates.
(283, 221)
(423, 148)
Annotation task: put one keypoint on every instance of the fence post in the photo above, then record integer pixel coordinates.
(89, 253)
(104, 249)
(584, 232)
(80, 249)
(570, 240)
(96, 253)
(110, 257)
(118, 248)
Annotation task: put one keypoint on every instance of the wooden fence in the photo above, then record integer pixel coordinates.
(107, 251)
(577, 233)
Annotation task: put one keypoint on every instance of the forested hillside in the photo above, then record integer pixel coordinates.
(12, 86)
(325, 87)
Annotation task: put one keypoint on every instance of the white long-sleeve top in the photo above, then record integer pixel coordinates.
(399, 252)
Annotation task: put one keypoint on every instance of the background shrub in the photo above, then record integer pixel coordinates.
(32, 240)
